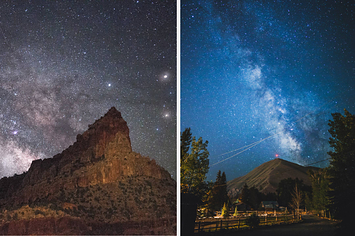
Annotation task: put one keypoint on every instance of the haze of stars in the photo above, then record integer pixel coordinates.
(65, 63)
(273, 70)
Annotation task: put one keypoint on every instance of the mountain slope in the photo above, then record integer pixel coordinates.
(267, 176)
(98, 183)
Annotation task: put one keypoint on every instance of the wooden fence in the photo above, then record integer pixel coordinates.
(213, 225)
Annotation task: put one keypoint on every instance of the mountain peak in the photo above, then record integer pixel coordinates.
(267, 176)
(103, 131)
(99, 178)
(113, 110)
(111, 114)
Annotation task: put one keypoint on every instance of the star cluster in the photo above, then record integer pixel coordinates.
(268, 73)
(63, 64)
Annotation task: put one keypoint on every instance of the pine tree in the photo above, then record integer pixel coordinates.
(225, 211)
(245, 195)
(208, 199)
(286, 188)
(185, 142)
(219, 192)
(308, 202)
(214, 202)
(223, 192)
(320, 190)
(254, 198)
(235, 211)
(342, 166)
(194, 165)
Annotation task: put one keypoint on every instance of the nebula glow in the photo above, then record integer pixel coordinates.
(63, 64)
(257, 69)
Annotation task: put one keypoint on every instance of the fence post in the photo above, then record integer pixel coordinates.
(227, 224)
(238, 223)
(216, 225)
(221, 225)
(199, 226)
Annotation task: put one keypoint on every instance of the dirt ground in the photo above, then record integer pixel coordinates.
(311, 226)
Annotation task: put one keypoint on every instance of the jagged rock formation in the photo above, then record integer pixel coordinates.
(268, 175)
(98, 180)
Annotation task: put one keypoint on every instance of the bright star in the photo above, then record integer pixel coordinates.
(166, 114)
(164, 76)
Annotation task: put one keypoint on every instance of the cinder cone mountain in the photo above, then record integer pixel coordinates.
(268, 175)
(97, 185)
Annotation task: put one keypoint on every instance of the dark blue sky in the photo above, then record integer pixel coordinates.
(273, 70)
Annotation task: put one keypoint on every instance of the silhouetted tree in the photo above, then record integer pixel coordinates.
(223, 192)
(245, 195)
(284, 191)
(320, 190)
(253, 221)
(342, 167)
(308, 201)
(269, 197)
(254, 198)
(194, 165)
(185, 142)
(218, 194)
(286, 188)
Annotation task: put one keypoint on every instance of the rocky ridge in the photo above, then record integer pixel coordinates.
(98, 179)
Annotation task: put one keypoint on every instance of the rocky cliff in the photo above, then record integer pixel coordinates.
(97, 180)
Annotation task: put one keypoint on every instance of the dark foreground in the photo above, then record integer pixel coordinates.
(311, 226)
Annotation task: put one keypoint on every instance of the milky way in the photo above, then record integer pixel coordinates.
(63, 64)
(268, 71)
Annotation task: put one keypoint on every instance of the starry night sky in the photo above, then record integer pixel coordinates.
(269, 71)
(63, 64)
